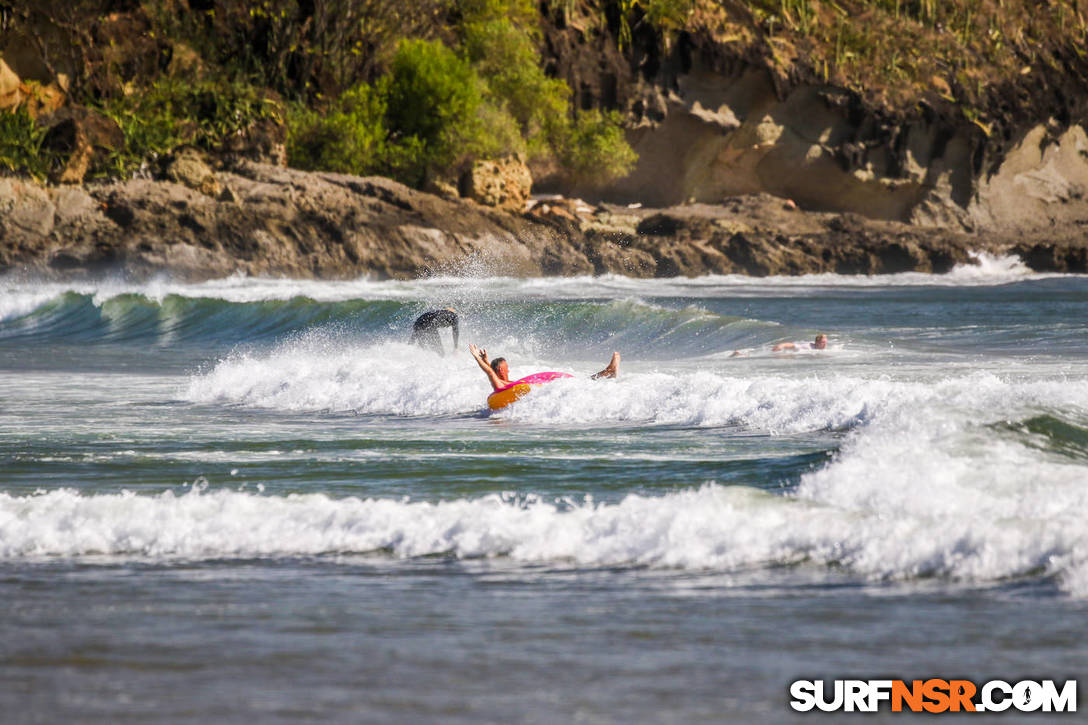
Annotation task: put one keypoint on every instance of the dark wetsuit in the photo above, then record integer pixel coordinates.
(425, 329)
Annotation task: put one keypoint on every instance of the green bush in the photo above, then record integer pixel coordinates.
(171, 113)
(21, 143)
(420, 120)
(507, 59)
(592, 149)
(432, 99)
(350, 138)
(499, 39)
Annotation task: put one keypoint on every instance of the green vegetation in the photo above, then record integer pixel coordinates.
(172, 113)
(348, 138)
(505, 55)
(417, 88)
(417, 121)
(432, 99)
(412, 89)
(438, 106)
(593, 148)
(895, 53)
(20, 143)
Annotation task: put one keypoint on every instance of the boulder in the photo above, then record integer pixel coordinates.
(263, 142)
(189, 169)
(11, 93)
(26, 207)
(503, 183)
(43, 101)
(72, 204)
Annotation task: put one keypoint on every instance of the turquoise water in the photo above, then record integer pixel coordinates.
(252, 499)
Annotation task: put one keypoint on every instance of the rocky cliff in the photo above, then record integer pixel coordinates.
(267, 220)
(988, 134)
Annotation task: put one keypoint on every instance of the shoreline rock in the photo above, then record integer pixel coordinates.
(282, 222)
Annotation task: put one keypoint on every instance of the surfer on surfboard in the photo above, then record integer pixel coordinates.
(498, 372)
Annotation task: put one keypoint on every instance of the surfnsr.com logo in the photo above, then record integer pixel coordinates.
(933, 696)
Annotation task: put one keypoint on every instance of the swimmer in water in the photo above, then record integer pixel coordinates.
(820, 343)
(498, 372)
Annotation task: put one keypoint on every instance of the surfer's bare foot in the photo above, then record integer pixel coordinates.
(613, 368)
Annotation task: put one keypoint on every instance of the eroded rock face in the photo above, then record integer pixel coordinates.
(709, 126)
(1042, 182)
(503, 183)
(722, 138)
(730, 136)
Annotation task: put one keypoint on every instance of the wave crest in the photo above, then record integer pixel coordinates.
(711, 528)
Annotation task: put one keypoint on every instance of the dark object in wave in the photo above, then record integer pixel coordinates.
(425, 329)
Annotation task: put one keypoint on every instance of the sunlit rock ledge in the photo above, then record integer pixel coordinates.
(270, 221)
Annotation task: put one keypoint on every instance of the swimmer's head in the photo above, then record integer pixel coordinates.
(820, 342)
(500, 368)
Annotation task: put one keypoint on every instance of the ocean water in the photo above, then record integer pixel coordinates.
(252, 501)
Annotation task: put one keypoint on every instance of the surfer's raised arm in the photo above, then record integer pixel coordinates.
(496, 370)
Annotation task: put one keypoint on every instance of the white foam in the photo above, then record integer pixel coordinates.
(924, 483)
(318, 372)
(394, 379)
(18, 303)
(990, 268)
(710, 528)
(473, 281)
(397, 379)
(937, 454)
(927, 482)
